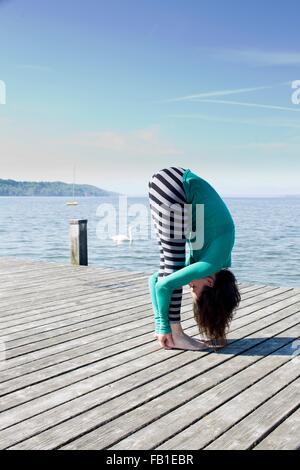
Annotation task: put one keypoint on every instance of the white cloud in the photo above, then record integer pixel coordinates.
(143, 142)
(117, 161)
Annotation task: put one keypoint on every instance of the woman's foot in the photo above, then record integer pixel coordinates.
(184, 341)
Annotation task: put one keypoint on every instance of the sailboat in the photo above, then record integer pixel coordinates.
(73, 202)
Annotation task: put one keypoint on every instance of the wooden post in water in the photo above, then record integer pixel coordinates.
(78, 236)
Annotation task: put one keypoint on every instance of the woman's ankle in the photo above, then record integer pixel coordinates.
(176, 328)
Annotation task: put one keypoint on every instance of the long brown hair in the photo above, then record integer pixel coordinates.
(214, 308)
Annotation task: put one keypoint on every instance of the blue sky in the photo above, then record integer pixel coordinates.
(126, 87)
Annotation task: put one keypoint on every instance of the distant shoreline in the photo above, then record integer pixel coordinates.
(67, 196)
(112, 194)
(13, 188)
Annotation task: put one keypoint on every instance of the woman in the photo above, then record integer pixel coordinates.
(174, 196)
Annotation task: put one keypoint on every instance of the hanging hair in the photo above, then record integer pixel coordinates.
(214, 308)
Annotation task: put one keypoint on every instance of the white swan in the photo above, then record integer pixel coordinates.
(123, 238)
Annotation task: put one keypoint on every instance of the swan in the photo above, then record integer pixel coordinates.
(123, 238)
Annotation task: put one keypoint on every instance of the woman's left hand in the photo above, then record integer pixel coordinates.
(165, 340)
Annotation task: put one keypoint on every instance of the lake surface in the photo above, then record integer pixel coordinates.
(267, 247)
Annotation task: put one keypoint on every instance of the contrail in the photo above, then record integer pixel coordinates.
(254, 105)
(223, 92)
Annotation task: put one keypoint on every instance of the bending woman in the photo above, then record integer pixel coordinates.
(174, 193)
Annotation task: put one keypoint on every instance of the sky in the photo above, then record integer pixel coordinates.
(123, 88)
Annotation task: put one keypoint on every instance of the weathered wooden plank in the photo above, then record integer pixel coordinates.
(216, 422)
(19, 265)
(84, 299)
(115, 321)
(17, 380)
(81, 302)
(286, 436)
(133, 295)
(221, 419)
(171, 424)
(87, 319)
(36, 278)
(30, 270)
(59, 328)
(99, 300)
(87, 300)
(106, 293)
(165, 380)
(133, 381)
(149, 431)
(28, 284)
(105, 326)
(83, 310)
(80, 364)
(261, 421)
(55, 359)
(78, 313)
(77, 348)
(87, 343)
(55, 290)
(86, 272)
(63, 293)
(88, 275)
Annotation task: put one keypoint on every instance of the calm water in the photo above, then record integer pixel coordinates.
(267, 248)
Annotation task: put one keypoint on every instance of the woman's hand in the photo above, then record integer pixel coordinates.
(165, 341)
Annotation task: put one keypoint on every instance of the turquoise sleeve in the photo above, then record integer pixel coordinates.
(152, 288)
(211, 262)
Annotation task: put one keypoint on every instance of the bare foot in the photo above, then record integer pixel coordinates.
(183, 341)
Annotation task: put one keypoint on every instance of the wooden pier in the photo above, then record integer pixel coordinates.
(80, 368)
